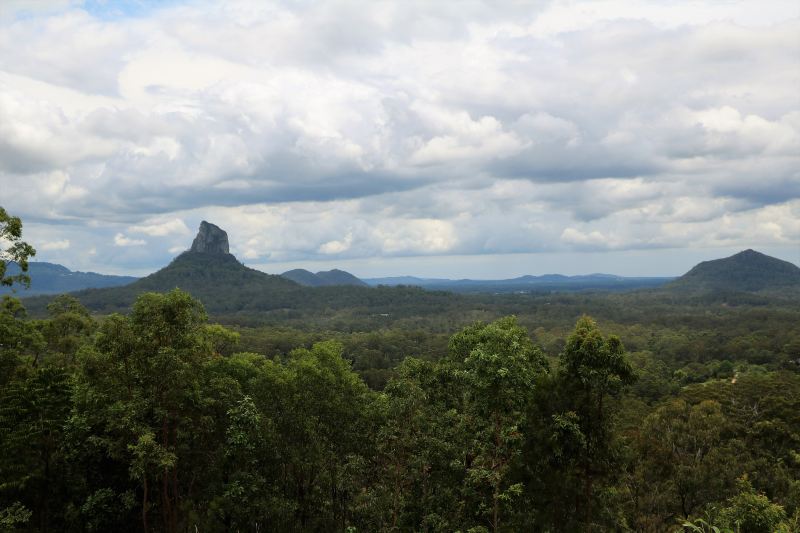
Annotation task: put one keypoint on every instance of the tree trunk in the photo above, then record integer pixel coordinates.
(144, 505)
(496, 463)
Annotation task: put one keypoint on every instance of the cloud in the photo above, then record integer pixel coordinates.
(317, 130)
(336, 247)
(592, 239)
(122, 240)
(161, 228)
(54, 245)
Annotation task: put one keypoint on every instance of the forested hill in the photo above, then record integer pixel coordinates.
(50, 278)
(323, 279)
(746, 271)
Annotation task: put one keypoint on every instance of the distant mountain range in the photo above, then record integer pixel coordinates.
(547, 282)
(211, 273)
(748, 271)
(322, 279)
(50, 278)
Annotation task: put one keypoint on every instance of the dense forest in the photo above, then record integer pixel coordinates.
(394, 413)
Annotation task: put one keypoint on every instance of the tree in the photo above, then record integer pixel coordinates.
(69, 326)
(593, 370)
(34, 408)
(324, 428)
(138, 395)
(423, 446)
(18, 338)
(684, 461)
(16, 250)
(500, 367)
(751, 512)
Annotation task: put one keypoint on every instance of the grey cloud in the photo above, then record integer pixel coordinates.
(414, 127)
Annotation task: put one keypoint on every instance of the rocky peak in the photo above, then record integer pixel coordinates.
(210, 239)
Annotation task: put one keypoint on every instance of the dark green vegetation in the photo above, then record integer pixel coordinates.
(49, 278)
(397, 409)
(159, 421)
(322, 279)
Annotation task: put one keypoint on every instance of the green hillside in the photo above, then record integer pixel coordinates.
(746, 271)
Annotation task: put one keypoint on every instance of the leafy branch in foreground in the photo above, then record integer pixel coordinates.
(13, 248)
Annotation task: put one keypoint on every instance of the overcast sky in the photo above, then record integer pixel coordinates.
(447, 138)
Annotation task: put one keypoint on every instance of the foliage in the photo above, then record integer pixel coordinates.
(751, 512)
(333, 417)
(13, 249)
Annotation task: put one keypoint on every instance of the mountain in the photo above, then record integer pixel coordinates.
(748, 271)
(50, 278)
(528, 283)
(227, 288)
(208, 271)
(339, 277)
(303, 277)
(325, 278)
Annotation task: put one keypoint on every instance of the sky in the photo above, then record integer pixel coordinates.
(440, 139)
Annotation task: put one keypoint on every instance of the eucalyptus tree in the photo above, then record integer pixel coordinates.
(500, 368)
(15, 250)
(572, 453)
(138, 398)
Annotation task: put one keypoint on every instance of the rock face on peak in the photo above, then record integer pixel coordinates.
(211, 239)
(746, 271)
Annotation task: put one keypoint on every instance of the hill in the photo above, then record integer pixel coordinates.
(748, 271)
(303, 277)
(323, 278)
(51, 278)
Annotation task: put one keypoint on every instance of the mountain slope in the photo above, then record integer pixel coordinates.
(51, 278)
(749, 271)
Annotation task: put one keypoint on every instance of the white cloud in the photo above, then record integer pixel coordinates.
(433, 128)
(121, 240)
(161, 228)
(336, 247)
(54, 245)
(590, 239)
